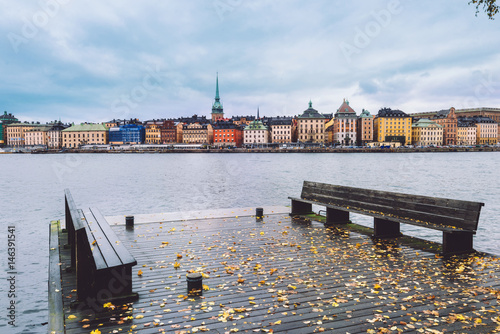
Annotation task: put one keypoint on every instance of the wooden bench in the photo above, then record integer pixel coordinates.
(103, 265)
(456, 219)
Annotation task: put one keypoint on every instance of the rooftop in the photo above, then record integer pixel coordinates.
(255, 125)
(311, 113)
(388, 112)
(288, 275)
(345, 110)
(425, 123)
(86, 127)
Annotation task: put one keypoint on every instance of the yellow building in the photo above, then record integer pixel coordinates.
(466, 133)
(487, 131)
(196, 133)
(84, 134)
(392, 126)
(153, 132)
(426, 133)
(311, 126)
(16, 133)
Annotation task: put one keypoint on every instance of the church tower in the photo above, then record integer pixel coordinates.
(217, 110)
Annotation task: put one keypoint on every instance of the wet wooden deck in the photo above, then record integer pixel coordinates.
(290, 276)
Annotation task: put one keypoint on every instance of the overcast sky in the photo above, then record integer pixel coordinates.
(98, 60)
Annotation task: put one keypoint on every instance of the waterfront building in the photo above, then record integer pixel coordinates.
(197, 133)
(256, 133)
(84, 134)
(168, 132)
(178, 131)
(329, 132)
(493, 113)
(37, 136)
(466, 132)
(152, 132)
(311, 126)
(344, 125)
(127, 134)
(427, 133)
(283, 130)
(365, 128)
(448, 119)
(5, 120)
(217, 109)
(486, 129)
(15, 133)
(226, 133)
(54, 135)
(392, 126)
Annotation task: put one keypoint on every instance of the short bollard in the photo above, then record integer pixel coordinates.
(194, 283)
(129, 222)
(259, 213)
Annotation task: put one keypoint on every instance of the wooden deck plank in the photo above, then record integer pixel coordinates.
(340, 281)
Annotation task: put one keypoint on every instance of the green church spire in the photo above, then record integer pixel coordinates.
(217, 109)
(217, 98)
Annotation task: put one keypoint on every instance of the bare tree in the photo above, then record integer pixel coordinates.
(489, 6)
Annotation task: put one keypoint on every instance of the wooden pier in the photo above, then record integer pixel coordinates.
(283, 275)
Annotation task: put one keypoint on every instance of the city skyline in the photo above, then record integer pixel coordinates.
(97, 62)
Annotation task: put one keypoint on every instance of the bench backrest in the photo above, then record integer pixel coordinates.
(72, 219)
(106, 248)
(438, 211)
(73, 222)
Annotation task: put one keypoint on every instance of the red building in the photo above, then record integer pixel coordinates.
(168, 132)
(226, 133)
(448, 120)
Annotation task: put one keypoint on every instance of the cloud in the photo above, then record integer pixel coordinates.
(279, 54)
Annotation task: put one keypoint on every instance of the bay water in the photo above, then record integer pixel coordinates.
(31, 195)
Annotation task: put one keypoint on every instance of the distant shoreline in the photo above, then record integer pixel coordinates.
(269, 150)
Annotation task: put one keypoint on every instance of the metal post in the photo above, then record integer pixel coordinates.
(129, 222)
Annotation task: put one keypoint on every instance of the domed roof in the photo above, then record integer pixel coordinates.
(311, 113)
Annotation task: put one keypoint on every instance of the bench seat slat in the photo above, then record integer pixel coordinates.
(96, 252)
(123, 254)
(102, 250)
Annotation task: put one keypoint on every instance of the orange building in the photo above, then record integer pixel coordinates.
(448, 120)
(365, 128)
(226, 133)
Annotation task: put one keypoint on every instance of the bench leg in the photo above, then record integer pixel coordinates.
(114, 284)
(334, 217)
(83, 267)
(385, 228)
(457, 242)
(300, 208)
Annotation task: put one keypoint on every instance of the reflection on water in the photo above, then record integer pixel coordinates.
(32, 194)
